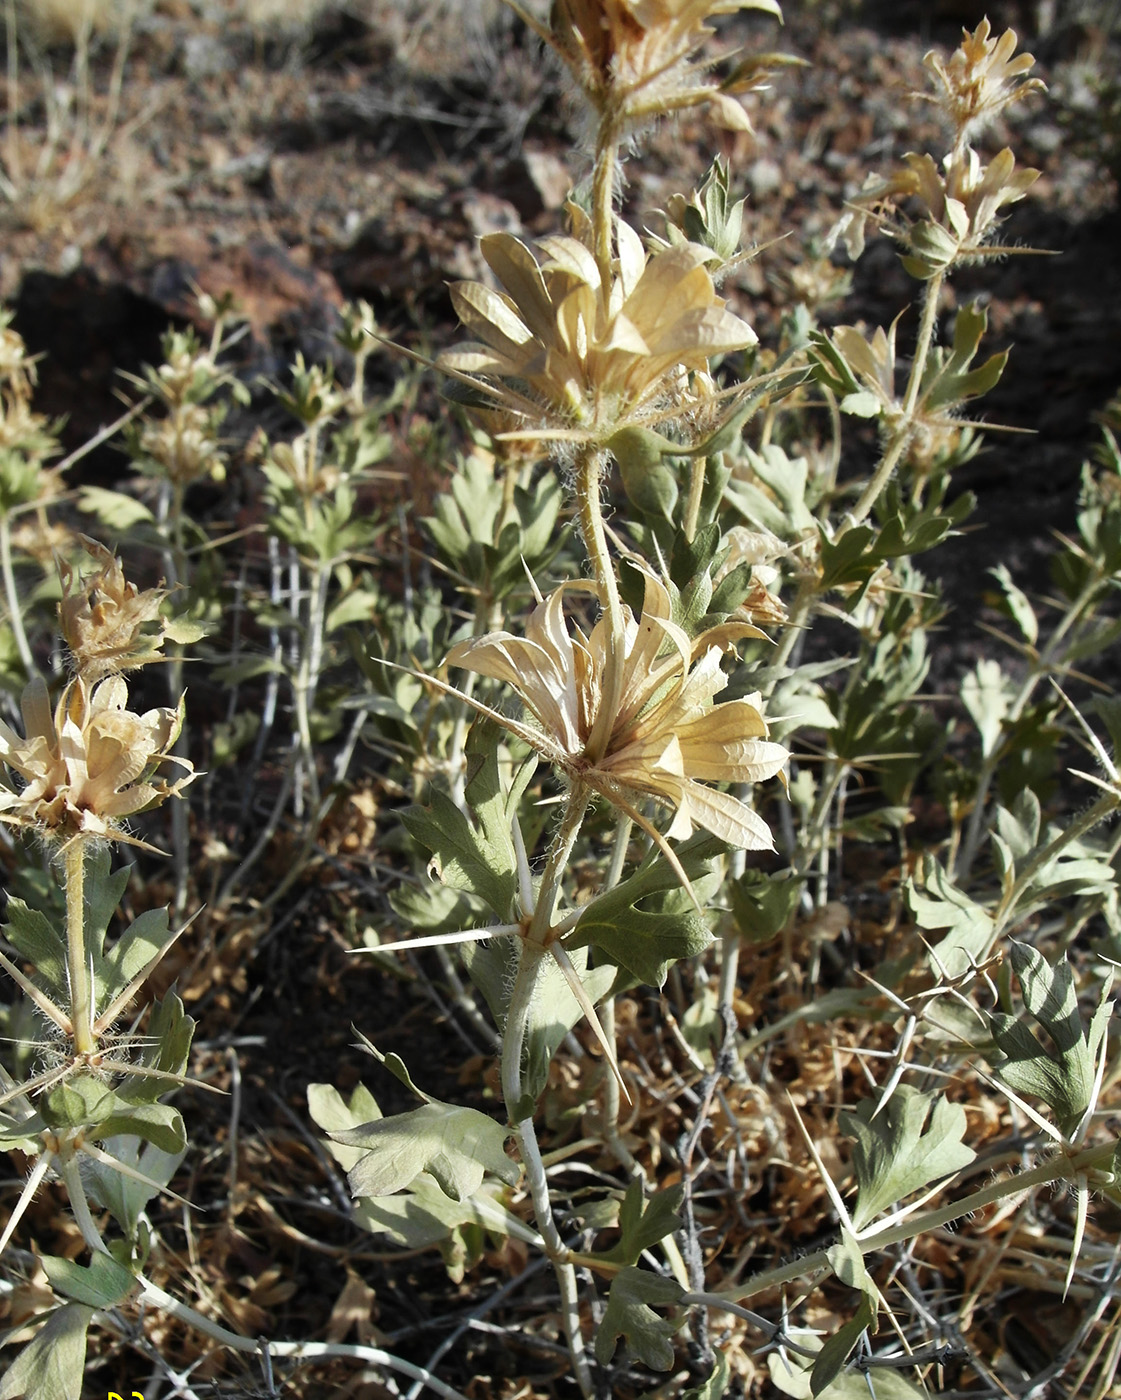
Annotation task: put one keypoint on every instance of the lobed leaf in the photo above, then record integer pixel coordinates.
(630, 1316)
(456, 1146)
(897, 1153)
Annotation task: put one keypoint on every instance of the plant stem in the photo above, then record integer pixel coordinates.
(77, 960)
(177, 575)
(306, 679)
(693, 502)
(589, 471)
(1044, 1175)
(989, 766)
(15, 616)
(532, 955)
(603, 200)
(306, 1351)
(902, 436)
(76, 1194)
(807, 589)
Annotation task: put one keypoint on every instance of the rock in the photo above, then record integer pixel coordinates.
(205, 56)
(764, 177)
(536, 182)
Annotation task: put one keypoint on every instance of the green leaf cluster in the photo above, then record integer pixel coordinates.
(1063, 1071)
(475, 852)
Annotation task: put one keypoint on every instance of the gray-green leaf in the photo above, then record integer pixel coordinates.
(456, 1146)
(630, 1315)
(54, 1360)
(893, 1156)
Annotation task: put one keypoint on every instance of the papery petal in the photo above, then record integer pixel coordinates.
(624, 335)
(472, 357)
(493, 318)
(516, 268)
(571, 256)
(532, 672)
(35, 707)
(722, 814)
(632, 257)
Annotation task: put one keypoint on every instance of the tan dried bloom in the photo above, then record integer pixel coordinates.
(106, 621)
(17, 369)
(981, 78)
(633, 59)
(962, 203)
(42, 539)
(667, 739)
(183, 444)
(560, 351)
(757, 548)
(88, 765)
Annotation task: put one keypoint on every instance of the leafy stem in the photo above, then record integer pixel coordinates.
(1062, 1169)
(902, 435)
(533, 951)
(892, 455)
(1041, 667)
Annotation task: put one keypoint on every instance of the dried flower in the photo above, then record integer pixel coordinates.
(42, 539)
(89, 764)
(633, 58)
(556, 350)
(962, 203)
(756, 548)
(17, 368)
(981, 79)
(667, 740)
(963, 200)
(106, 621)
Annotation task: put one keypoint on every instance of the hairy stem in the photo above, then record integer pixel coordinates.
(902, 435)
(603, 200)
(696, 491)
(77, 961)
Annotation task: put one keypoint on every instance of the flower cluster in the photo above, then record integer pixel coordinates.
(580, 360)
(108, 624)
(87, 764)
(960, 208)
(633, 59)
(961, 202)
(183, 446)
(26, 439)
(82, 767)
(981, 78)
(666, 740)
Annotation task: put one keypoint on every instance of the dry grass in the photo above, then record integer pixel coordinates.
(52, 22)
